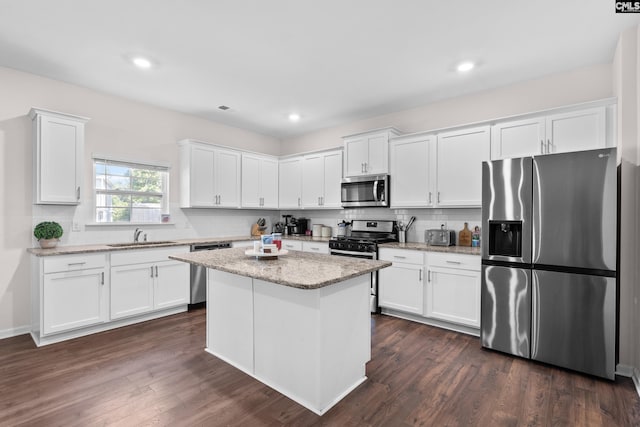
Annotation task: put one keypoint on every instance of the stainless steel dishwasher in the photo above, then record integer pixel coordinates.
(199, 274)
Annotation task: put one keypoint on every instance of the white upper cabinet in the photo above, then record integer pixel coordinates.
(577, 130)
(368, 153)
(443, 170)
(290, 183)
(410, 167)
(460, 155)
(58, 150)
(209, 176)
(518, 138)
(259, 181)
(321, 179)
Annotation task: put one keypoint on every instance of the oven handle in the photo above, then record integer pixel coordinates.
(365, 255)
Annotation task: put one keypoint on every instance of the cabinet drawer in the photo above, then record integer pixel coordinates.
(142, 256)
(402, 255)
(315, 247)
(292, 245)
(62, 263)
(468, 262)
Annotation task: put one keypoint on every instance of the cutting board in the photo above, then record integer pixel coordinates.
(464, 237)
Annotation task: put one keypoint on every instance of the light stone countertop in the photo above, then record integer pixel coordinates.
(296, 269)
(104, 247)
(415, 246)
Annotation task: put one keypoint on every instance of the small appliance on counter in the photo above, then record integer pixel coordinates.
(297, 226)
(440, 237)
(344, 229)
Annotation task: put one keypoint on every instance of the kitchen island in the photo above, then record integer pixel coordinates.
(300, 323)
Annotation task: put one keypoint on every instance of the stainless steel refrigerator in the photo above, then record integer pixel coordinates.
(549, 259)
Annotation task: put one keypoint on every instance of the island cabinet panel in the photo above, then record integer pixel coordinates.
(312, 345)
(230, 318)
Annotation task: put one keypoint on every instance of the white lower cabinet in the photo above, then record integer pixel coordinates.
(315, 247)
(440, 288)
(131, 290)
(146, 280)
(453, 288)
(73, 300)
(401, 286)
(292, 245)
(68, 292)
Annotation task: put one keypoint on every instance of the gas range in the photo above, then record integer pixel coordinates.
(365, 237)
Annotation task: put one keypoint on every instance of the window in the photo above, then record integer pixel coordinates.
(129, 192)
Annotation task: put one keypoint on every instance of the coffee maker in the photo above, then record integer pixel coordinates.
(296, 225)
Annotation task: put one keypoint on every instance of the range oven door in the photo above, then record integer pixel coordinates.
(365, 191)
(374, 276)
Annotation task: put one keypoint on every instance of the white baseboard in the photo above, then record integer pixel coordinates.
(14, 332)
(636, 379)
(624, 370)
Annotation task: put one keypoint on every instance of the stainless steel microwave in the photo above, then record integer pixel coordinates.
(362, 191)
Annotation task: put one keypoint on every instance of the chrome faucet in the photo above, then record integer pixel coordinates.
(136, 235)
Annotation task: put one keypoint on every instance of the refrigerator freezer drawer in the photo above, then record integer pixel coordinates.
(506, 309)
(574, 321)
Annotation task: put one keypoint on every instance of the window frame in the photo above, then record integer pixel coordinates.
(136, 164)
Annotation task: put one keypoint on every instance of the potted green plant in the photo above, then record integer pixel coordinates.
(48, 233)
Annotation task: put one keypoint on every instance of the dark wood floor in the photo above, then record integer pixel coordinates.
(157, 373)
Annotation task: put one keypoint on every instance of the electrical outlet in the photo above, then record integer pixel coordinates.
(75, 226)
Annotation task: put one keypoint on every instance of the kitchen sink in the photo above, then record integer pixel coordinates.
(138, 244)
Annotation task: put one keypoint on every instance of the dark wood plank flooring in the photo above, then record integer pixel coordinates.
(156, 373)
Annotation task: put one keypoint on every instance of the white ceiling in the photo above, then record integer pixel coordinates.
(333, 61)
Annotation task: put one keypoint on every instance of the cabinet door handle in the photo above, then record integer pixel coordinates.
(365, 167)
(362, 167)
(322, 200)
(420, 278)
(541, 146)
(315, 249)
(428, 275)
(151, 270)
(156, 271)
(102, 278)
(298, 201)
(400, 257)
(78, 193)
(438, 197)
(453, 262)
(549, 146)
(76, 263)
(429, 196)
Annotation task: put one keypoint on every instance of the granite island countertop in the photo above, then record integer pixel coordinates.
(296, 269)
(416, 246)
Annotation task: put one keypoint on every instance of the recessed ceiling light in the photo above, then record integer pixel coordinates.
(463, 67)
(294, 117)
(141, 62)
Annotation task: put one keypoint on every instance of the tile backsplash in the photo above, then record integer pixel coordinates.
(193, 223)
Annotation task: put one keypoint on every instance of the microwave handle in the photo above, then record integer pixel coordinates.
(375, 190)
